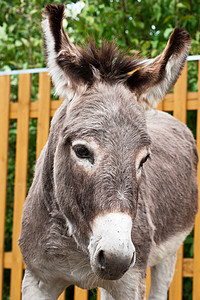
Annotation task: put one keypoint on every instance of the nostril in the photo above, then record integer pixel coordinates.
(102, 260)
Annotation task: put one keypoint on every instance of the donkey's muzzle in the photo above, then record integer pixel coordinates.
(111, 249)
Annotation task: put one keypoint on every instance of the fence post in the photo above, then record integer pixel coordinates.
(98, 294)
(21, 164)
(148, 282)
(196, 276)
(80, 294)
(62, 296)
(43, 111)
(4, 133)
(180, 112)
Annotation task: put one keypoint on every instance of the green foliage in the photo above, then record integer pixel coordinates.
(187, 288)
(92, 294)
(137, 26)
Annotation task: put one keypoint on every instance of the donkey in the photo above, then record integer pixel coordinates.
(114, 190)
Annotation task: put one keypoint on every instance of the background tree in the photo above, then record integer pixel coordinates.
(136, 25)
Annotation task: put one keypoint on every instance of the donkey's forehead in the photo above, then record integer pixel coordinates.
(105, 111)
(118, 90)
(103, 98)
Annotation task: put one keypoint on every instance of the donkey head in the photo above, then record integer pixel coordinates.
(99, 157)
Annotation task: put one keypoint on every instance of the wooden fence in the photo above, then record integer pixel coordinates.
(178, 102)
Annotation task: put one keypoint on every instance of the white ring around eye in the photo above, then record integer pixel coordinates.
(93, 147)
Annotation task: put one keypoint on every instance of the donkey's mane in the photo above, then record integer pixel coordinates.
(105, 63)
(111, 64)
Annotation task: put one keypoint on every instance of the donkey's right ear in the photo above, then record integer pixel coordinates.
(70, 72)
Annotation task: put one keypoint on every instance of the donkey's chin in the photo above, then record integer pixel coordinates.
(109, 276)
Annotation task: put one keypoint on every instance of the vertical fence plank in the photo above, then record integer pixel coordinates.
(180, 101)
(21, 164)
(196, 276)
(62, 296)
(44, 111)
(80, 294)
(148, 282)
(180, 97)
(175, 291)
(4, 133)
(160, 105)
(98, 294)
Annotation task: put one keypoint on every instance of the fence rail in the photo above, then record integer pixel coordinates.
(178, 102)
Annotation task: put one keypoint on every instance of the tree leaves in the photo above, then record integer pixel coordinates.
(128, 22)
(167, 32)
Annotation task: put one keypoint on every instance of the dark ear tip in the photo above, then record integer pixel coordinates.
(54, 10)
(180, 34)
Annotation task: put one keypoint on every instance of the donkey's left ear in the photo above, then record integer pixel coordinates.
(152, 82)
(70, 72)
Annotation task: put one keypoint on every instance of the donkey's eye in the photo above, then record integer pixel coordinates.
(144, 160)
(82, 152)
